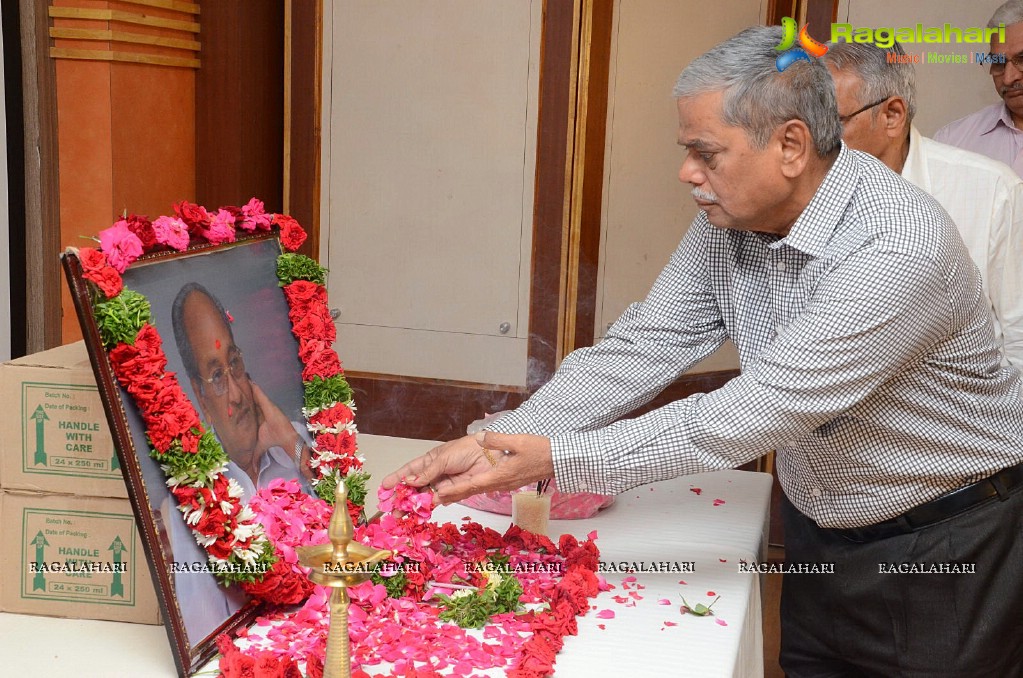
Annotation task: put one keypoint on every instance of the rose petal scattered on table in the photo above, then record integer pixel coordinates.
(664, 601)
(606, 614)
(711, 594)
(601, 627)
(696, 490)
(592, 535)
(683, 582)
(719, 502)
(721, 622)
(670, 623)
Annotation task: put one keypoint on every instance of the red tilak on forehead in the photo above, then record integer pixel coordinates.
(229, 410)
(218, 343)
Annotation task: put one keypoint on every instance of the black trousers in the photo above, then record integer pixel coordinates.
(861, 622)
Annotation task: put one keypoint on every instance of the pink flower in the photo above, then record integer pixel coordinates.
(120, 245)
(254, 216)
(221, 228)
(172, 232)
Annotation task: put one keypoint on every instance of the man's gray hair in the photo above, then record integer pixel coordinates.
(1008, 13)
(757, 98)
(880, 78)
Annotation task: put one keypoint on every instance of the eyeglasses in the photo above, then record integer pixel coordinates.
(235, 368)
(998, 68)
(846, 118)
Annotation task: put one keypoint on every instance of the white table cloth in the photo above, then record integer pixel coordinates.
(708, 531)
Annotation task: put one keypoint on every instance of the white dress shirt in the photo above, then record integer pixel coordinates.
(985, 200)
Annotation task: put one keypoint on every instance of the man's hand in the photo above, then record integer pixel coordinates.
(460, 468)
(275, 430)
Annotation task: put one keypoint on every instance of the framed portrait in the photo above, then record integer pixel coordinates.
(223, 321)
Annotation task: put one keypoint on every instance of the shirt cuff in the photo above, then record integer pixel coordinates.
(578, 464)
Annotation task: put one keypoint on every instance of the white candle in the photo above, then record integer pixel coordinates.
(531, 511)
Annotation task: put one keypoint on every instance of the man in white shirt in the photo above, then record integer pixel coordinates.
(876, 104)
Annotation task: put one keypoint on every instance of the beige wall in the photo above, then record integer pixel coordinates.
(646, 209)
(945, 92)
(430, 122)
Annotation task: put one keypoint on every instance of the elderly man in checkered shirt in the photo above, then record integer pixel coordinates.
(868, 361)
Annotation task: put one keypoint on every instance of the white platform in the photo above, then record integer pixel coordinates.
(661, 523)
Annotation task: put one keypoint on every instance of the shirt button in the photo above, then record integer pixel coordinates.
(816, 492)
(583, 486)
(780, 266)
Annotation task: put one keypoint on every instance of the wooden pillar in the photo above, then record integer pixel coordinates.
(125, 82)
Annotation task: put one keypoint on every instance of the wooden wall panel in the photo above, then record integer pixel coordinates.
(239, 105)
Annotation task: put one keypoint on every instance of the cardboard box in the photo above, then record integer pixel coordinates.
(69, 546)
(56, 438)
(69, 556)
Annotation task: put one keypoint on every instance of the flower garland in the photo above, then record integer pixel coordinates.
(189, 454)
(553, 584)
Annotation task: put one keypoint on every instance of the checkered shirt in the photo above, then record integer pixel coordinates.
(867, 353)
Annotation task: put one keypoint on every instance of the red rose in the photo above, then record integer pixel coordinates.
(212, 523)
(314, 323)
(195, 216)
(303, 293)
(314, 667)
(142, 227)
(346, 442)
(96, 269)
(221, 548)
(323, 364)
(292, 235)
(332, 417)
(327, 441)
(280, 585)
(148, 342)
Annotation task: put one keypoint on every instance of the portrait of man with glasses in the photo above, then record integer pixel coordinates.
(227, 336)
(261, 441)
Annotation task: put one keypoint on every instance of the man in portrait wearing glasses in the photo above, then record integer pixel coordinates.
(259, 439)
(997, 130)
(876, 104)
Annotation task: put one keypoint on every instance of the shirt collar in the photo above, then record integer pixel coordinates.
(813, 229)
(1004, 117)
(915, 167)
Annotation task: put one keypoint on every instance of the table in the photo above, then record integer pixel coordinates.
(705, 523)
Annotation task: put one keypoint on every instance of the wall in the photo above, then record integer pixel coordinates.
(646, 210)
(431, 112)
(945, 92)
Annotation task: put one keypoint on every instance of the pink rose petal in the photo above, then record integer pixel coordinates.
(606, 614)
(719, 502)
(696, 490)
(721, 622)
(664, 601)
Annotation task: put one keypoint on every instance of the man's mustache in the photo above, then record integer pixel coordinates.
(704, 195)
(1014, 86)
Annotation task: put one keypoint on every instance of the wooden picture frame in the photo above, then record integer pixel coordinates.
(242, 276)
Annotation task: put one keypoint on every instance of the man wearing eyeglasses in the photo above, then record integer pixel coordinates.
(876, 104)
(260, 440)
(997, 131)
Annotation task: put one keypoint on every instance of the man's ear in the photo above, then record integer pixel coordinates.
(894, 117)
(795, 146)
